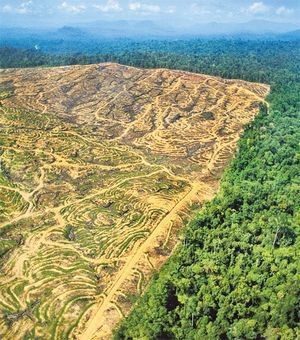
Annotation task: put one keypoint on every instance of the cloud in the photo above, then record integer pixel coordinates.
(200, 10)
(139, 6)
(24, 8)
(171, 9)
(135, 6)
(258, 8)
(284, 11)
(110, 6)
(74, 9)
(7, 9)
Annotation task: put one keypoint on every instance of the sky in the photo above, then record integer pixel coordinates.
(46, 13)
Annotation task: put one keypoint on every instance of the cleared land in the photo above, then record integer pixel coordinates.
(100, 165)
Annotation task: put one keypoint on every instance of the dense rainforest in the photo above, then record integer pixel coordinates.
(236, 273)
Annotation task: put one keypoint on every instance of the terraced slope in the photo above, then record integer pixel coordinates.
(100, 165)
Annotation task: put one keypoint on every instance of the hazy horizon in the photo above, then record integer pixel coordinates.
(57, 13)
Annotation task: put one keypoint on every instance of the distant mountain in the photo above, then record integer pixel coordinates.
(151, 29)
(84, 36)
(126, 28)
(259, 27)
(70, 32)
(147, 28)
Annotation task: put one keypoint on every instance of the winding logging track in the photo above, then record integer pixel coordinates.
(100, 165)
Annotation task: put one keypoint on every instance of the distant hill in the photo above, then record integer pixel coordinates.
(147, 28)
(150, 29)
(71, 32)
(258, 27)
(127, 28)
(84, 37)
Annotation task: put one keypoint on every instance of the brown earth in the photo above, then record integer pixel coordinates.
(100, 167)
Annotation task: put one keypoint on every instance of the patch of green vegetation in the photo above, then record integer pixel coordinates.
(69, 233)
(6, 246)
(208, 115)
(132, 298)
(6, 89)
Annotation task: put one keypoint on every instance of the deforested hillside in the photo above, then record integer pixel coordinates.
(100, 165)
